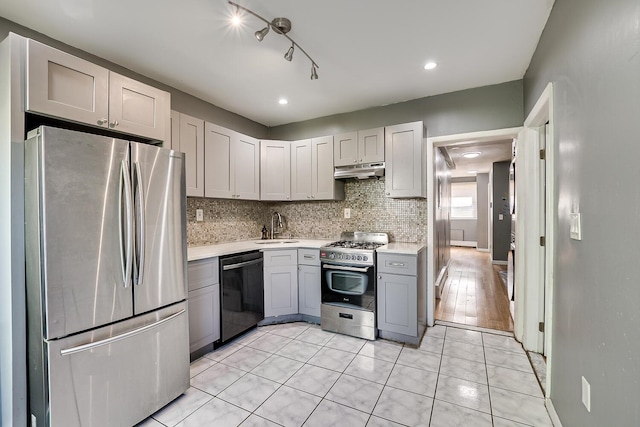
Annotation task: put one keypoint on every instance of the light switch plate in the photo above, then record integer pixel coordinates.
(500, 217)
(575, 226)
(347, 213)
(199, 215)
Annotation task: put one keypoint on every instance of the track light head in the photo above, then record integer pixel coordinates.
(289, 55)
(314, 72)
(261, 33)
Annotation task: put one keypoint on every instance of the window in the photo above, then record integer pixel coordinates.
(463, 200)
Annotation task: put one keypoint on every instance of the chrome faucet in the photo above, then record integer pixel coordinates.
(273, 232)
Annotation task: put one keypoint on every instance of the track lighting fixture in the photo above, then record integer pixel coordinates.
(289, 55)
(281, 26)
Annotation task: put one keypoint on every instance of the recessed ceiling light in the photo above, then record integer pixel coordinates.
(472, 172)
(235, 20)
(283, 101)
(471, 154)
(430, 65)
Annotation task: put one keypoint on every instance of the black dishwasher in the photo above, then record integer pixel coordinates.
(242, 293)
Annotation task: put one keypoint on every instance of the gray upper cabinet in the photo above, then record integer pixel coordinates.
(62, 85)
(365, 146)
(189, 138)
(232, 163)
(406, 161)
(275, 170)
(312, 170)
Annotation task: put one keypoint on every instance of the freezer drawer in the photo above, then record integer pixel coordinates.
(117, 375)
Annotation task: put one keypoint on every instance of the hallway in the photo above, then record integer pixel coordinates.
(473, 293)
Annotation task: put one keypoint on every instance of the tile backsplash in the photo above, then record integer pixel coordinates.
(228, 220)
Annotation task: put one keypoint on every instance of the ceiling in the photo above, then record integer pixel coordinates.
(369, 52)
(490, 152)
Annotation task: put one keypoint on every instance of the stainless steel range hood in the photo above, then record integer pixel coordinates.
(362, 171)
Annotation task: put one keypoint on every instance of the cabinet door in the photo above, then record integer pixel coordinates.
(62, 85)
(191, 142)
(345, 149)
(322, 181)
(275, 170)
(404, 161)
(397, 304)
(371, 145)
(246, 167)
(217, 158)
(280, 290)
(137, 108)
(204, 317)
(301, 170)
(309, 289)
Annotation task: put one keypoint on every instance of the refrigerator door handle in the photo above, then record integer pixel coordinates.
(140, 223)
(127, 223)
(88, 346)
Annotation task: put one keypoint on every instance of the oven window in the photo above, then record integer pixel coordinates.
(347, 283)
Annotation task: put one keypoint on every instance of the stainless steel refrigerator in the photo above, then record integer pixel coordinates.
(105, 241)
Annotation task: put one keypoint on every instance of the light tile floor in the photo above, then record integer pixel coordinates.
(297, 374)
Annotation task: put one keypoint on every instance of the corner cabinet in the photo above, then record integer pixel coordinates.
(401, 296)
(406, 161)
(62, 85)
(275, 170)
(203, 303)
(365, 146)
(312, 170)
(232, 163)
(280, 282)
(309, 284)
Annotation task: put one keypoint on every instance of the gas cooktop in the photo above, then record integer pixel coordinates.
(354, 248)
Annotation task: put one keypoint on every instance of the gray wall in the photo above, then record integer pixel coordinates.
(590, 50)
(468, 227)
(485, 108)
(501, 228)
(180, 101)
(482, 230)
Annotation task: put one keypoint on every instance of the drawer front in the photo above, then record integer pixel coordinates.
(203, 272)
(398, 264)
(309, 257)
(280, 257)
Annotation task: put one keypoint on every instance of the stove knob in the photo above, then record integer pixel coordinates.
(339, 256)
(347, 257)
(332, 255)
(359, 258)
(365, 258)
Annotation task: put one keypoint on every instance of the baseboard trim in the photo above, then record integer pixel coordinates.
(468, 244)
(552, 412)
(495, 262)
(483, 249)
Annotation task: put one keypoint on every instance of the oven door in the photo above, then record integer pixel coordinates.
(346, 285)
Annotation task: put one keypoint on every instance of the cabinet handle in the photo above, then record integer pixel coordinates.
(102, 121)
(308, 196)
(379, 277)
(388, 194)
(313, 197)
(360, 160)
(113, 124)
(397, 264)
(355, 160)
(309, 257)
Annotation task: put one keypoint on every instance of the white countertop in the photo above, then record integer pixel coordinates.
(201, 252)
(220, 249)
(402, 248)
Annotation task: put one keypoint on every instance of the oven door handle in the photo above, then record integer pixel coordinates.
(344, 268)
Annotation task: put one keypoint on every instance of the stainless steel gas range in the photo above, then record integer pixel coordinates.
(349, 284)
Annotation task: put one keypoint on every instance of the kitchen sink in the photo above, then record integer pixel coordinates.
(275, 242)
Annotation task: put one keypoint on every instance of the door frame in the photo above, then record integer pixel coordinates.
(534, 125)
(431, 144)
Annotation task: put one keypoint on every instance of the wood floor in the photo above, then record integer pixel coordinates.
(473, 293)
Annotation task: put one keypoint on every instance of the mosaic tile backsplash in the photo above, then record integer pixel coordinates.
(405, 220)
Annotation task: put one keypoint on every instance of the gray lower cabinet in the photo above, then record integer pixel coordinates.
(309, 287)
(280, 282)
(204, 303)
(401, 298)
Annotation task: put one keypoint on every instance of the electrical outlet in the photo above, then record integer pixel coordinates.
(199, 215)
(586, 394)
(347, 213)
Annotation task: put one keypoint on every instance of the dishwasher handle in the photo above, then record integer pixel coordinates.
(241, 264)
